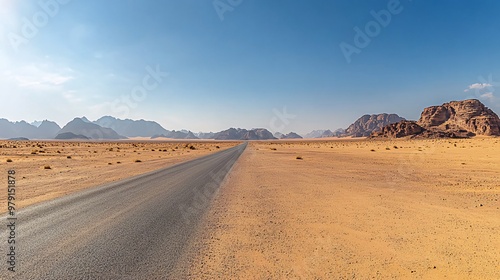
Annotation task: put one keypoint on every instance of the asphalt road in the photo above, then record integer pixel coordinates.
(133, 229)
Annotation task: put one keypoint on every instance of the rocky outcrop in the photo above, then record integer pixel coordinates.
(456, 119)
(243, 134)
(399, 130)
(367, 124)
(468, 115)
(291, 135)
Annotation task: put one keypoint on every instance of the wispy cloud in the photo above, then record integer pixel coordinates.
(478, 86)
(488, 95)
(485, 90)
(37, 78)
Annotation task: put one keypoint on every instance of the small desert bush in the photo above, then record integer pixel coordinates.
(47, 167)
(274, 149)
(192, 147)
(9, 160)
(138, 160)
(299, 157)
(217, 147)
(68, 157)
(372, 150)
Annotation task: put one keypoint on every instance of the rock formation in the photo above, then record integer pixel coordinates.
(243, 134)
(456, 119)
(367, 124)
(291, 135)
(468, 115)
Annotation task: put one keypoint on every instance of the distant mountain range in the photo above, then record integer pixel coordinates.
(131, 128)
(454, 119)
(82, 127)
(243, 134)
(176, 135)
(45, 130)
(112, 128)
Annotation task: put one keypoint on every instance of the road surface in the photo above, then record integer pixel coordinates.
(132, 229)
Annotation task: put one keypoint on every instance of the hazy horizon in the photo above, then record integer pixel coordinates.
(208, 66)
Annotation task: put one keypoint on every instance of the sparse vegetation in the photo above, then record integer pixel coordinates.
(138, 160)
(299, 157)
(274, 149)
(9, 160)
(47, 167)
(68, 157)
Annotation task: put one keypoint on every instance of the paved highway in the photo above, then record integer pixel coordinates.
(132, 229)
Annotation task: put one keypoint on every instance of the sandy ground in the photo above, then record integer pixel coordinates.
(76, 166)
(360, 209)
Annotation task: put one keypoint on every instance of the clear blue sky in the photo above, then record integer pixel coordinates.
(236, 66)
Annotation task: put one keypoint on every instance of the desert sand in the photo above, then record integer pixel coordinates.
(75, 166)
(355, 209)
